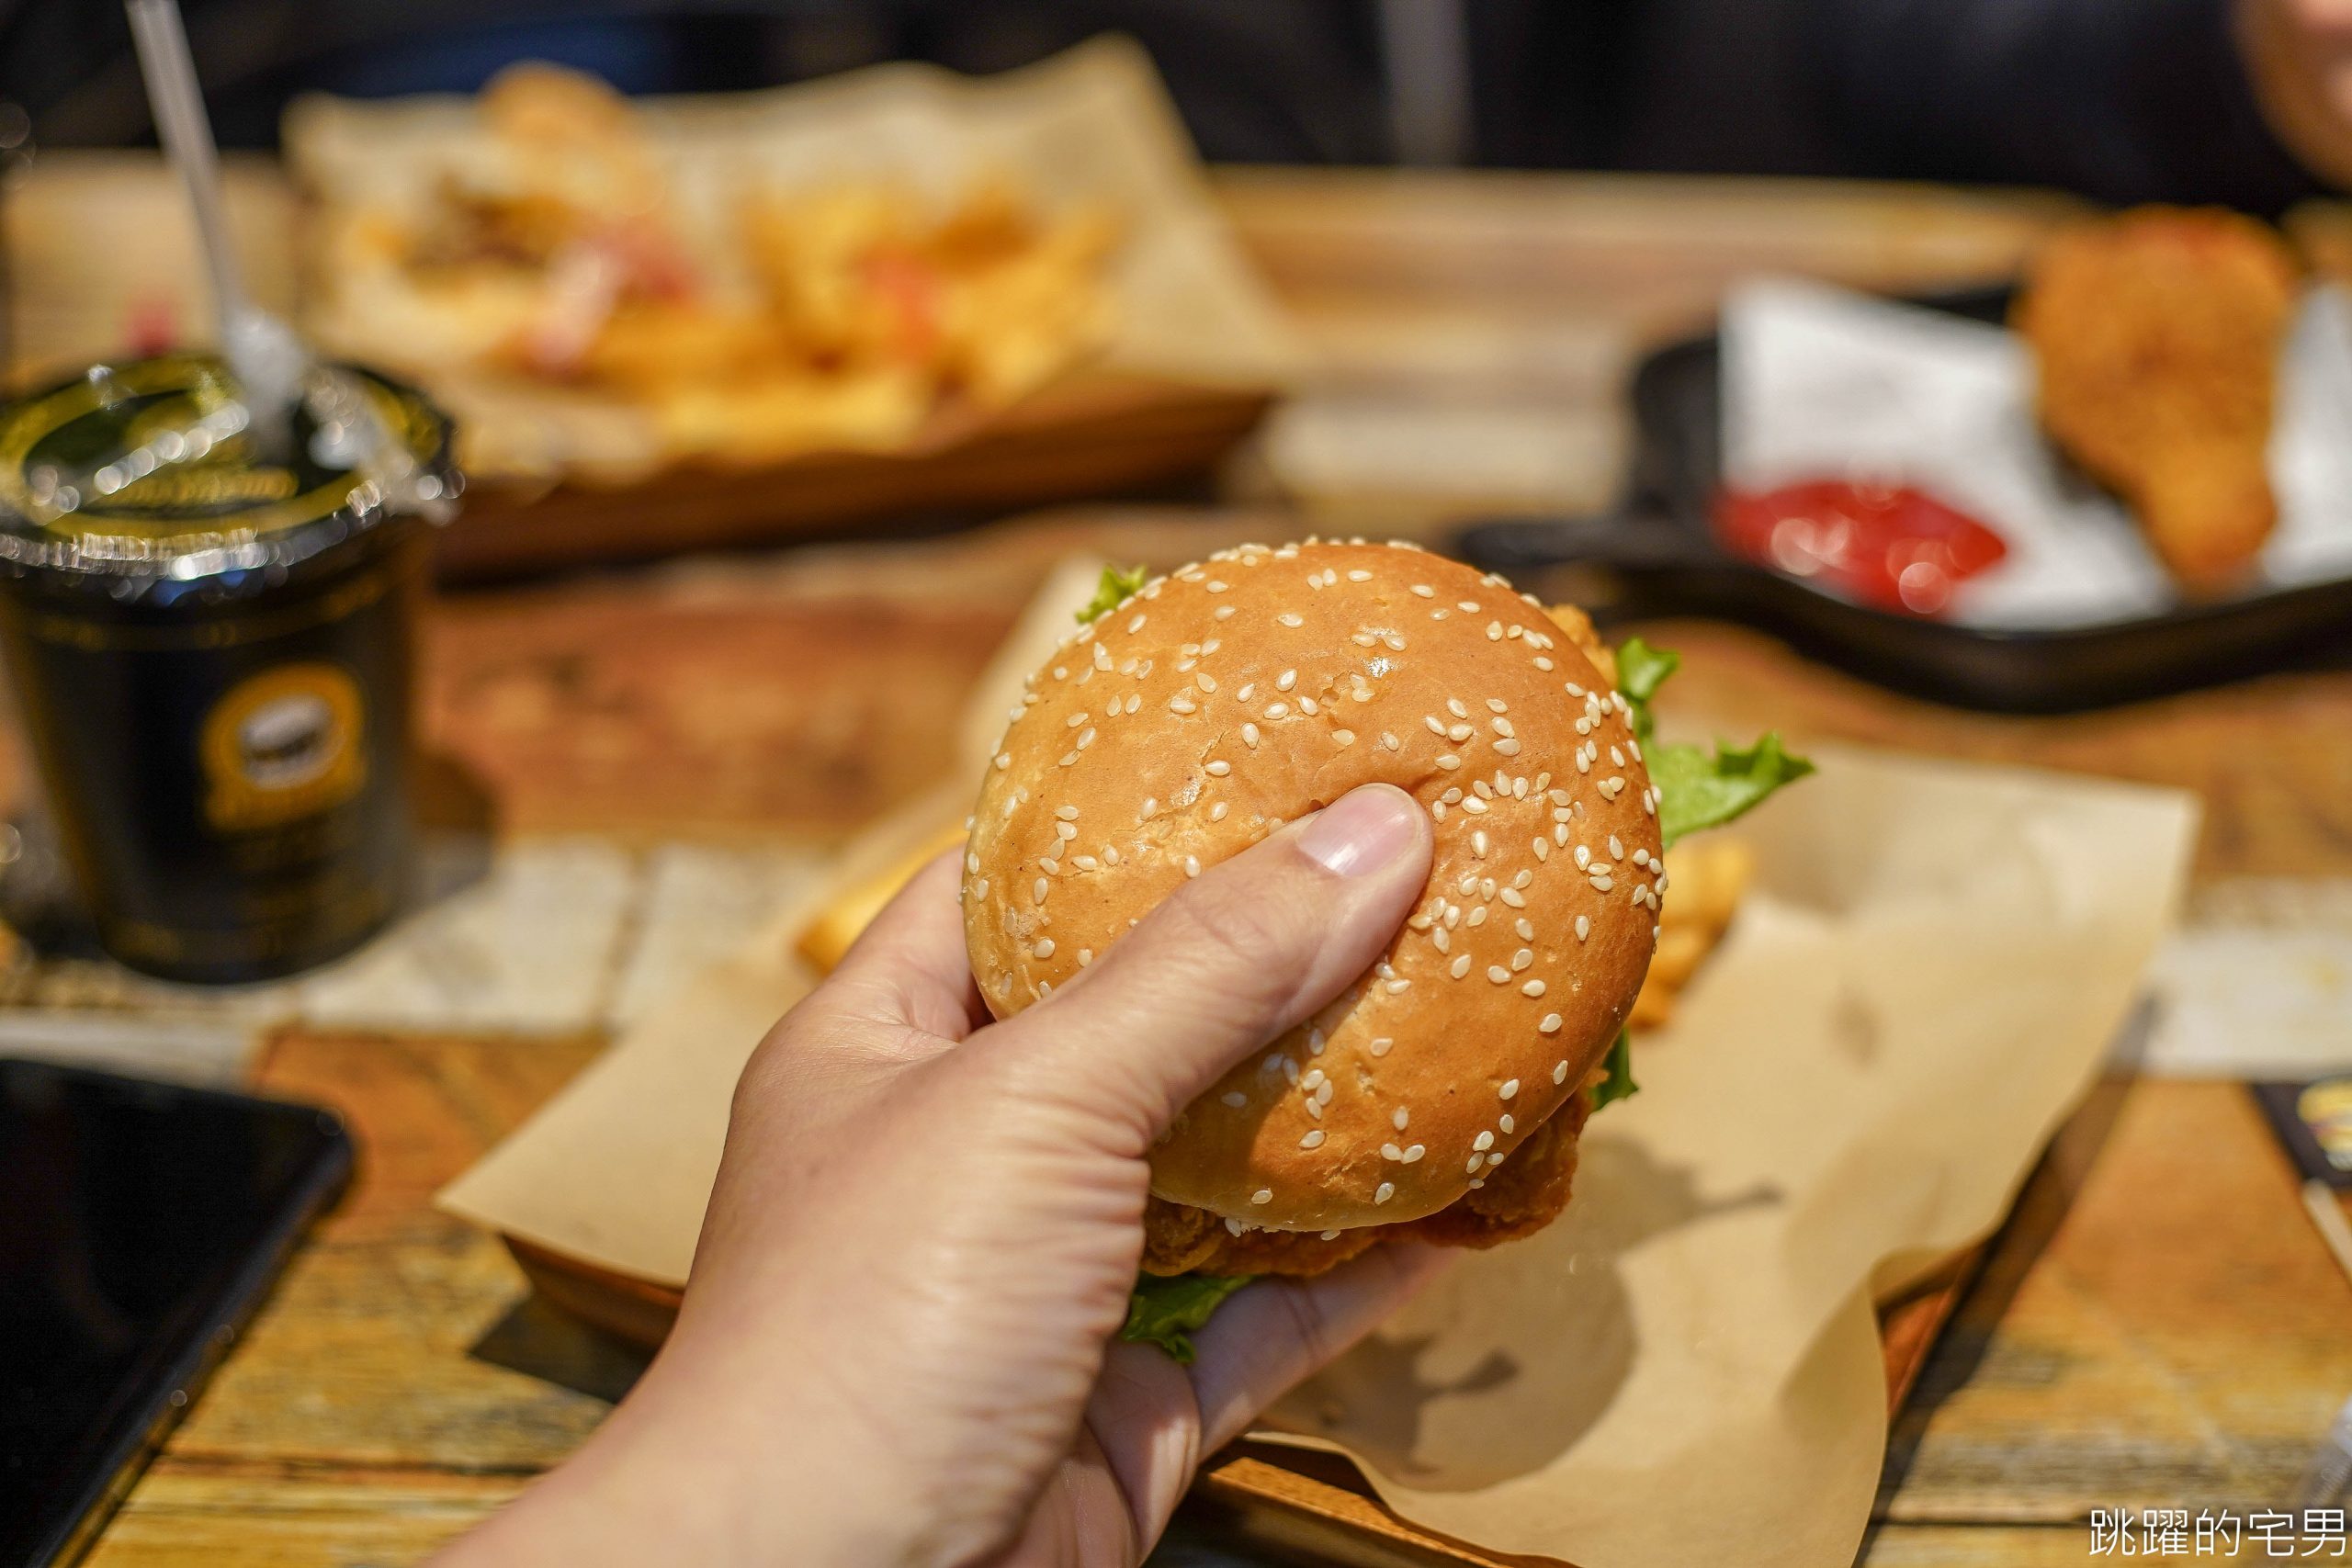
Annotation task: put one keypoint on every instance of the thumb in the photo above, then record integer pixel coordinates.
(1233, 958)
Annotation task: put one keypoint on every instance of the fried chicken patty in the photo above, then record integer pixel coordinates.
(1520, 1199)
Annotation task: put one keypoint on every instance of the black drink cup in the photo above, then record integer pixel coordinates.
(214, 658)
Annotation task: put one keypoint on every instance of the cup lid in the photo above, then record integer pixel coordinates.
(148, 470)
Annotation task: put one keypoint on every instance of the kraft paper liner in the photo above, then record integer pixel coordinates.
(1685, 1369)
(1090, 126)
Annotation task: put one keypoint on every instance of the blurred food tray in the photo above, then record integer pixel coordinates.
(1658, 554)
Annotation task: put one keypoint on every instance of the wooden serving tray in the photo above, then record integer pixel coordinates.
(1092, 437)
(1286, 1500)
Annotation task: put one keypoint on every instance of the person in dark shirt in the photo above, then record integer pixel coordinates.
(2243, 102)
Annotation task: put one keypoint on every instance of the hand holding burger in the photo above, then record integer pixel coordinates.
(1253, 982)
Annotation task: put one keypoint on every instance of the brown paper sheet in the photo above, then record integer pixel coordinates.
(1089, 125)
(1686, 1368)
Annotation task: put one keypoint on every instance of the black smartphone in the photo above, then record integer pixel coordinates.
(141, 1225)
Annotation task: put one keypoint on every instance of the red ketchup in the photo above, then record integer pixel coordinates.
(1895, 548)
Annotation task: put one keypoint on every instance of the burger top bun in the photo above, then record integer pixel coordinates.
(1246, 692)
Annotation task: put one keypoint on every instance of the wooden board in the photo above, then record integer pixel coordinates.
(1271, 1496)
(1092, 436)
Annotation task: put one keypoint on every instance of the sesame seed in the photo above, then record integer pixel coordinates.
(1216, 812)
(1204, 680)
(1219, 769)
(1476, 1161)
(1039, 891)
(1521, 959)
(1044, 948)
(1085, 738)
(1249, 736)
(1453, 706)
(1390, 741)
(1543, 847)
(1277, 710)
(1449, 761)
(1497, 974)
(1289, 620)
(1479, 843)
(1087, 862)
(1391, 1152)
(1423, 590)
(1443, 941)
(1313, 1080)
(1494, 631)
(1507, 748)
(1313, 1139)
(1514, 897)
(1584, 858)
(1603, 884)
(1477, 917)
(1243, 694)
(1004, 761)
(1085, 957)
(1437, 726)
(1476, 806)
(1314, 1109)
(1584, 927)
(1414, 1152)
(1525, 927)
(1460, 966)
(1181, 704)
(1386, 1191)
(1066, 830)
(1381, 1046)
(1217, 587)
(1330, 1235)
(1542, 663)
(1401, 1119)
(1191, 865)
(1359, 576)
(1285, 681)
(1263, 1195)
(1482, 1142)
(1344, 737)
(1235, 1099)
(1508, 1126)
(980, 889)
(1135, 626)
(1532, 989)
(1560, 1073)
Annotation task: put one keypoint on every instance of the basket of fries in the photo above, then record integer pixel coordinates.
(670, 323)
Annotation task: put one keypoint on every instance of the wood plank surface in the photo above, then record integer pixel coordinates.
(2159, 1325)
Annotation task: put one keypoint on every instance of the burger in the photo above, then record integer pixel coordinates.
(1440, 1095)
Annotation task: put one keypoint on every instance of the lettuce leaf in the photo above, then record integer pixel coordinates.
(1118, 583)
(1164, 1311)
(1619, 1085)
(1705, 789)
(1641, 670)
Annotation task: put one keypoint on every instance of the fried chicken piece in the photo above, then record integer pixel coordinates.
(1526, 1193)
(2157, 335)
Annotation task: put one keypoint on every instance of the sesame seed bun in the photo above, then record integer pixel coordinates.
(1250, 689)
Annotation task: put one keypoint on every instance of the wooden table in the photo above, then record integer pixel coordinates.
(2159, 1327)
